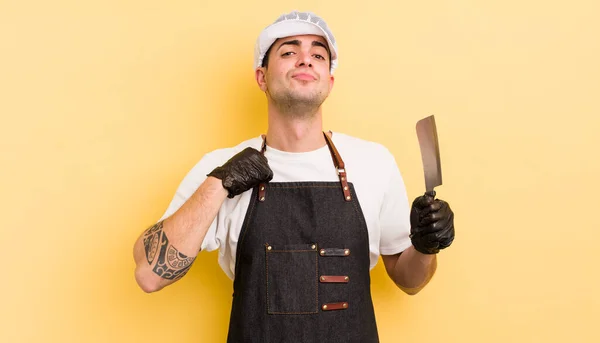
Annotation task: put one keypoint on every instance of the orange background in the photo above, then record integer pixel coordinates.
(106, 105)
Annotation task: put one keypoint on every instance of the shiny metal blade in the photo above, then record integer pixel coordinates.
(430, 152)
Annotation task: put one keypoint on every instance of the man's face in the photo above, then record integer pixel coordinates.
(298, 71)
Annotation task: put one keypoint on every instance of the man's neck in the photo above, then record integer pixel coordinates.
(299, 133)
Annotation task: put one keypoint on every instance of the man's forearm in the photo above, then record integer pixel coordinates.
(411, 270)
(165, 252)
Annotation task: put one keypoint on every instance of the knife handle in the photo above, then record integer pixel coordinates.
(430, 193)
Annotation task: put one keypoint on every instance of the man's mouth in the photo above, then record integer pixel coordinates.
(303, 77)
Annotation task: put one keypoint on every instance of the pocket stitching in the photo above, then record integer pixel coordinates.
(316, 278)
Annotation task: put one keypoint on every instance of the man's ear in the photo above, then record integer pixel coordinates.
(261, 79)
(331, 82)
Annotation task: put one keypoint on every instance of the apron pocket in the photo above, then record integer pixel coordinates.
(292, 279)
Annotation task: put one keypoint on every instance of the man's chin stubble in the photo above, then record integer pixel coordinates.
(297, 107)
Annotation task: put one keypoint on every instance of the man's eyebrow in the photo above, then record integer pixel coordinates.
(296, 42)
(317, 43)
(290, 42)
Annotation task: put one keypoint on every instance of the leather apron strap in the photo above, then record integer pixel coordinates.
(338, 162)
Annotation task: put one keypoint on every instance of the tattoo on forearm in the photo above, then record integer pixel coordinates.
(171, 264)
(151, 240)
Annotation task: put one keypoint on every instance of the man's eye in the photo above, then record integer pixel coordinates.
(287, 53)
(320, 57)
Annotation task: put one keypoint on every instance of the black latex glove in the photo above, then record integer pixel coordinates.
(432, 224)
(243, 171)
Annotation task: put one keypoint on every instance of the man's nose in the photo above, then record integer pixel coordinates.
(304, 59)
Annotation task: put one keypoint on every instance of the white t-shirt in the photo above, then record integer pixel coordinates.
(370, 167)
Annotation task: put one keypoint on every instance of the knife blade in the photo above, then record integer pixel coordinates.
(430, 152)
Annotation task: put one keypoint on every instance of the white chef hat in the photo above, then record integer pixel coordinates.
(293, 24)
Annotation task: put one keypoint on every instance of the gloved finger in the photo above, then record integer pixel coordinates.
(257, 165)
(447, 237)
(427, 210)
(435, 226)
(443, 238)
(435, 212)
(436, 219)
(445, 221)
(422, 201)
(444, 231)
(419, 230)
(264, 169)
(431, 241)
(431, 218)
(426, 230)
(430, 194)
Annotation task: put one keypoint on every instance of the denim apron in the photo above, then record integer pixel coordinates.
(302, 265)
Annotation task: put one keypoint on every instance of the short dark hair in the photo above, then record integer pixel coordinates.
(265, 61)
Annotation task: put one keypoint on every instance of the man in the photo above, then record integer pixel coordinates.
(300, 216)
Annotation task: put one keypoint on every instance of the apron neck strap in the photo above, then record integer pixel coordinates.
(263, 148)
(335, 155)
(338, 162)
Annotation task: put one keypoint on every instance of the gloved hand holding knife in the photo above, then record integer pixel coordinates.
(432, 224)
(431, 220)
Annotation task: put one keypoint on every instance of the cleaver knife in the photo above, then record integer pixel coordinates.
(430, 153)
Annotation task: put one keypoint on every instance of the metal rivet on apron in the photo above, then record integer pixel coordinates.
(348, 197)
(269, 247)
(346, 278)
(262, 188)
(347, 252)
(322, 252)
(345, 305)
(343, 178)
(322, 278)
(262, 199)
(314, 247)
(346, 188)
(324, 307)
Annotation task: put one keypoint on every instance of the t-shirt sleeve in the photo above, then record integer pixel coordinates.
(395, 214)
(188, 186)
